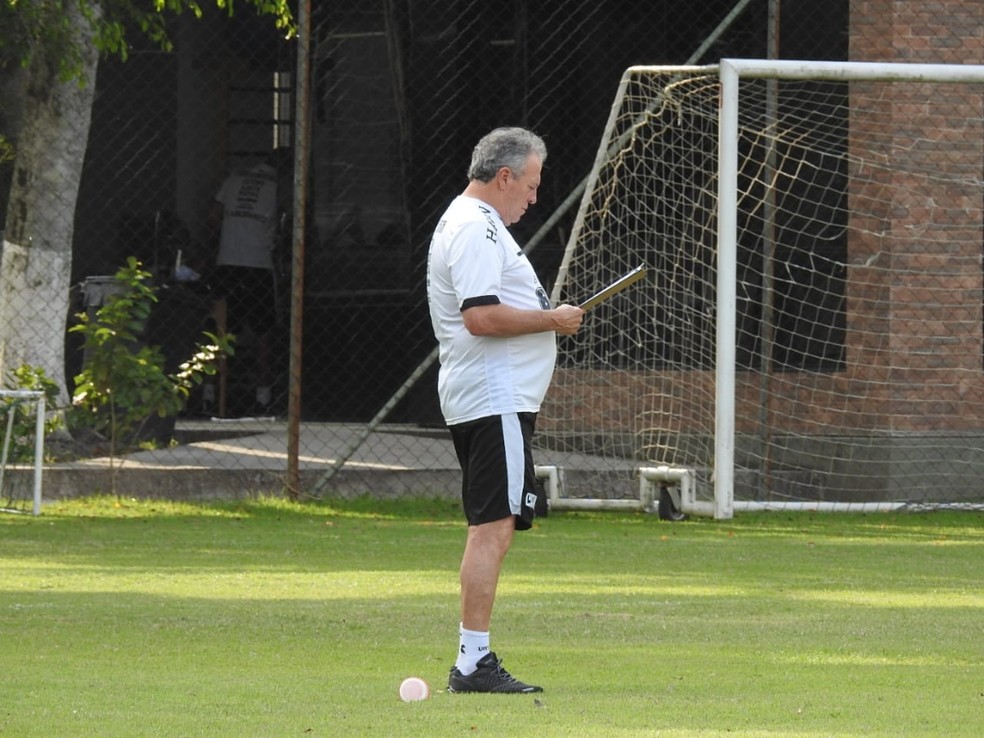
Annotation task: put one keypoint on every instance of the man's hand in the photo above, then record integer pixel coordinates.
(568, 319)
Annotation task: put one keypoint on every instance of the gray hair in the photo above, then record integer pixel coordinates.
(504, 147)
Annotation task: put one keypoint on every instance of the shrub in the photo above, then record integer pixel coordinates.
(123, 382)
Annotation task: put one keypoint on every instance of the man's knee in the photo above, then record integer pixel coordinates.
(496, 535)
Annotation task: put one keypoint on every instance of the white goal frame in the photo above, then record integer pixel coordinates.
(730, 72)
(38, 398)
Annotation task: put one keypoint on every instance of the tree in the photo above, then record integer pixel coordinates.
(49, 51)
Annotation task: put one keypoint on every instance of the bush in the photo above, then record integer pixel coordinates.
(123, 383)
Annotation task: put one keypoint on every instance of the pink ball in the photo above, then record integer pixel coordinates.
(413, 689)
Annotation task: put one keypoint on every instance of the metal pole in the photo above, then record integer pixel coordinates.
(724, 405)
(302, 145)
(38, 453)
(767, 332)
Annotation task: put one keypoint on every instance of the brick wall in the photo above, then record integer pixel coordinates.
(914, 280)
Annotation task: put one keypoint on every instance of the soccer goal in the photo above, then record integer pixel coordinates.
(810, 333)
(22, 453)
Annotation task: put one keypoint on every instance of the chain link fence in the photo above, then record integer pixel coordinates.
(399, 93)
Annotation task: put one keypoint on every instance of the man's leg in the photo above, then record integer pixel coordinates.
(485, 550)
(478, 669)
(488, 457)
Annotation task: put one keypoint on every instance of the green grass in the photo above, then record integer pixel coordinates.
(271, 619)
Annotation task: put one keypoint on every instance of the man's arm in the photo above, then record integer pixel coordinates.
(503, 321)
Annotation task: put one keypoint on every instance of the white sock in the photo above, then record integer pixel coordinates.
(474, 644)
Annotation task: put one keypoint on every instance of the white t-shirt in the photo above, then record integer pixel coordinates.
(474, 260)
(249, 217)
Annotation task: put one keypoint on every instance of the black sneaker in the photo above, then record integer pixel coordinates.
(488, 677)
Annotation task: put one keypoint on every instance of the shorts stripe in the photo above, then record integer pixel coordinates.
(513, 444)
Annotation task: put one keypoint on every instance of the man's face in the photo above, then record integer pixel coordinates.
(521, 189)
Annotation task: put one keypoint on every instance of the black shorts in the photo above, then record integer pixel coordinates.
(250, 295)
(497, 474)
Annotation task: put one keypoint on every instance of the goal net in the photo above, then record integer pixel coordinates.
(810, 332)
(22, 451)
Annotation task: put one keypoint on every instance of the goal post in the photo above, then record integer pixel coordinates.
(20, 462)
(811, 333)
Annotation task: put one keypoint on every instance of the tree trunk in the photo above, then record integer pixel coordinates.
(36, 261)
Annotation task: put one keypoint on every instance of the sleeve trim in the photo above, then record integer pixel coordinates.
(482, 300)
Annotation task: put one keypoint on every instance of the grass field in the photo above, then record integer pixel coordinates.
(125, 618)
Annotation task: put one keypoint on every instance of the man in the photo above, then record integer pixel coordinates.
(247, 208)
(497, 334)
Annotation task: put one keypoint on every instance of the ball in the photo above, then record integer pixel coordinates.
(413, 689)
